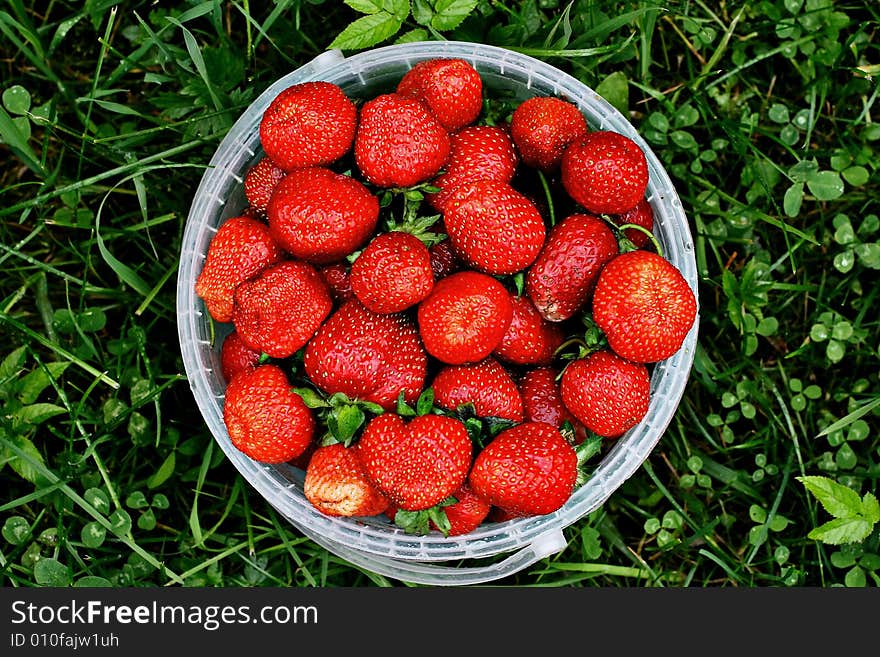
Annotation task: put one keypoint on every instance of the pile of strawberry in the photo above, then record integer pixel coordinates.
(442, 304)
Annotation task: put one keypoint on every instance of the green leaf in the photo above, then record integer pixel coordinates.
(13, 136)
(136, 500)
(838, 500)
(34, 382)
(615, 89)
(51, 572)
(93, 534)
(348, 420)
(311, 398)
(856, 175)
(98, 499)
(12, 363)
(34, 414)
(17, 99)
(825, 185)
(365, 6)
(871, 507)
(367, 31)
(425, 402)
(164, 472)
(16, 530)
(120, 522)
(842, 530)
(792, 200)
(93, 581)
(27, 466)
(450, 13)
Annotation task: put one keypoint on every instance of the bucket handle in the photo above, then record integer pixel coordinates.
(418, 572)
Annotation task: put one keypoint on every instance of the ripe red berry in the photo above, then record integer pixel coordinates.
(530, 339)
(392, 273)
(528, 469)
(260, 181)
(321, 216)
(493, 228)
(464, 317)
(605, 171)
(486, 385)
(236, 356)
(563, 276)
(278, 311)
(265, 419)
(606, 393)
(542, 400)
(399, 143)
(477, 152)
(450, 87)
(241, 249)
(337, 484)
(308, 124)
(644, 305)
(416, 464)
(542, 127)
(367, 356)
(641, 215)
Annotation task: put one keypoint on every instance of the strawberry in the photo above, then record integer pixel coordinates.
(644, 306)
(542, 401)
(308, 124)
(526, 470)
(321, 216)
(563, 276)
(465, 514)
(605, 171)
(493, 227)
(464, 317)
(530, 339)
(336, 483)
(392, 273)
(451, 88)
(486, 385)
(542, 127)
(606, 393)
(265, 419)
(399, 143)
(367, 356)
(236, 356)
(338, 278)
(241, 248)
(416, 464)
(640, 215)
(477, 152)
(260, 181)
(443, 259)
(279, 310)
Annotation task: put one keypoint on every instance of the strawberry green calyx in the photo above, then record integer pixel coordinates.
(626, 244)
(344, 417)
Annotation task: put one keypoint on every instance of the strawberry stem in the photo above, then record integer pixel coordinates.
(549, 196)
(627, 245)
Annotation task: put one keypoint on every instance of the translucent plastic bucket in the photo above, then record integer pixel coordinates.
(494, 550)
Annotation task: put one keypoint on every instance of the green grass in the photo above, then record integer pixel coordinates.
(764, 114)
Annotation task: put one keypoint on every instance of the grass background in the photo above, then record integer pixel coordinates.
(763, 113)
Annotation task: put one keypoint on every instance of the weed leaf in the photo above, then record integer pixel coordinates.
(367, 31)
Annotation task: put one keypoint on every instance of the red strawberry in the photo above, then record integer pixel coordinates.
(236, 356)
(392, 273)
(367, 356)
(443, 259)
(527, 470)
(280, 309)
(338, 279)
(563, 276)
(486, 385)
(467, 512)
(464, 317)
(265, 419)
(241, 248)
(477, 152)
(530, 339)
(399, 143)
(493, 227)
(641, 215)
(321, 216)
(542, 127)
(542, 401)
(605, 171)
(644, 305)
(336, 483)
(416, 464)
(451, 88)
(606, 393)
(308, 124)
(260, 181)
